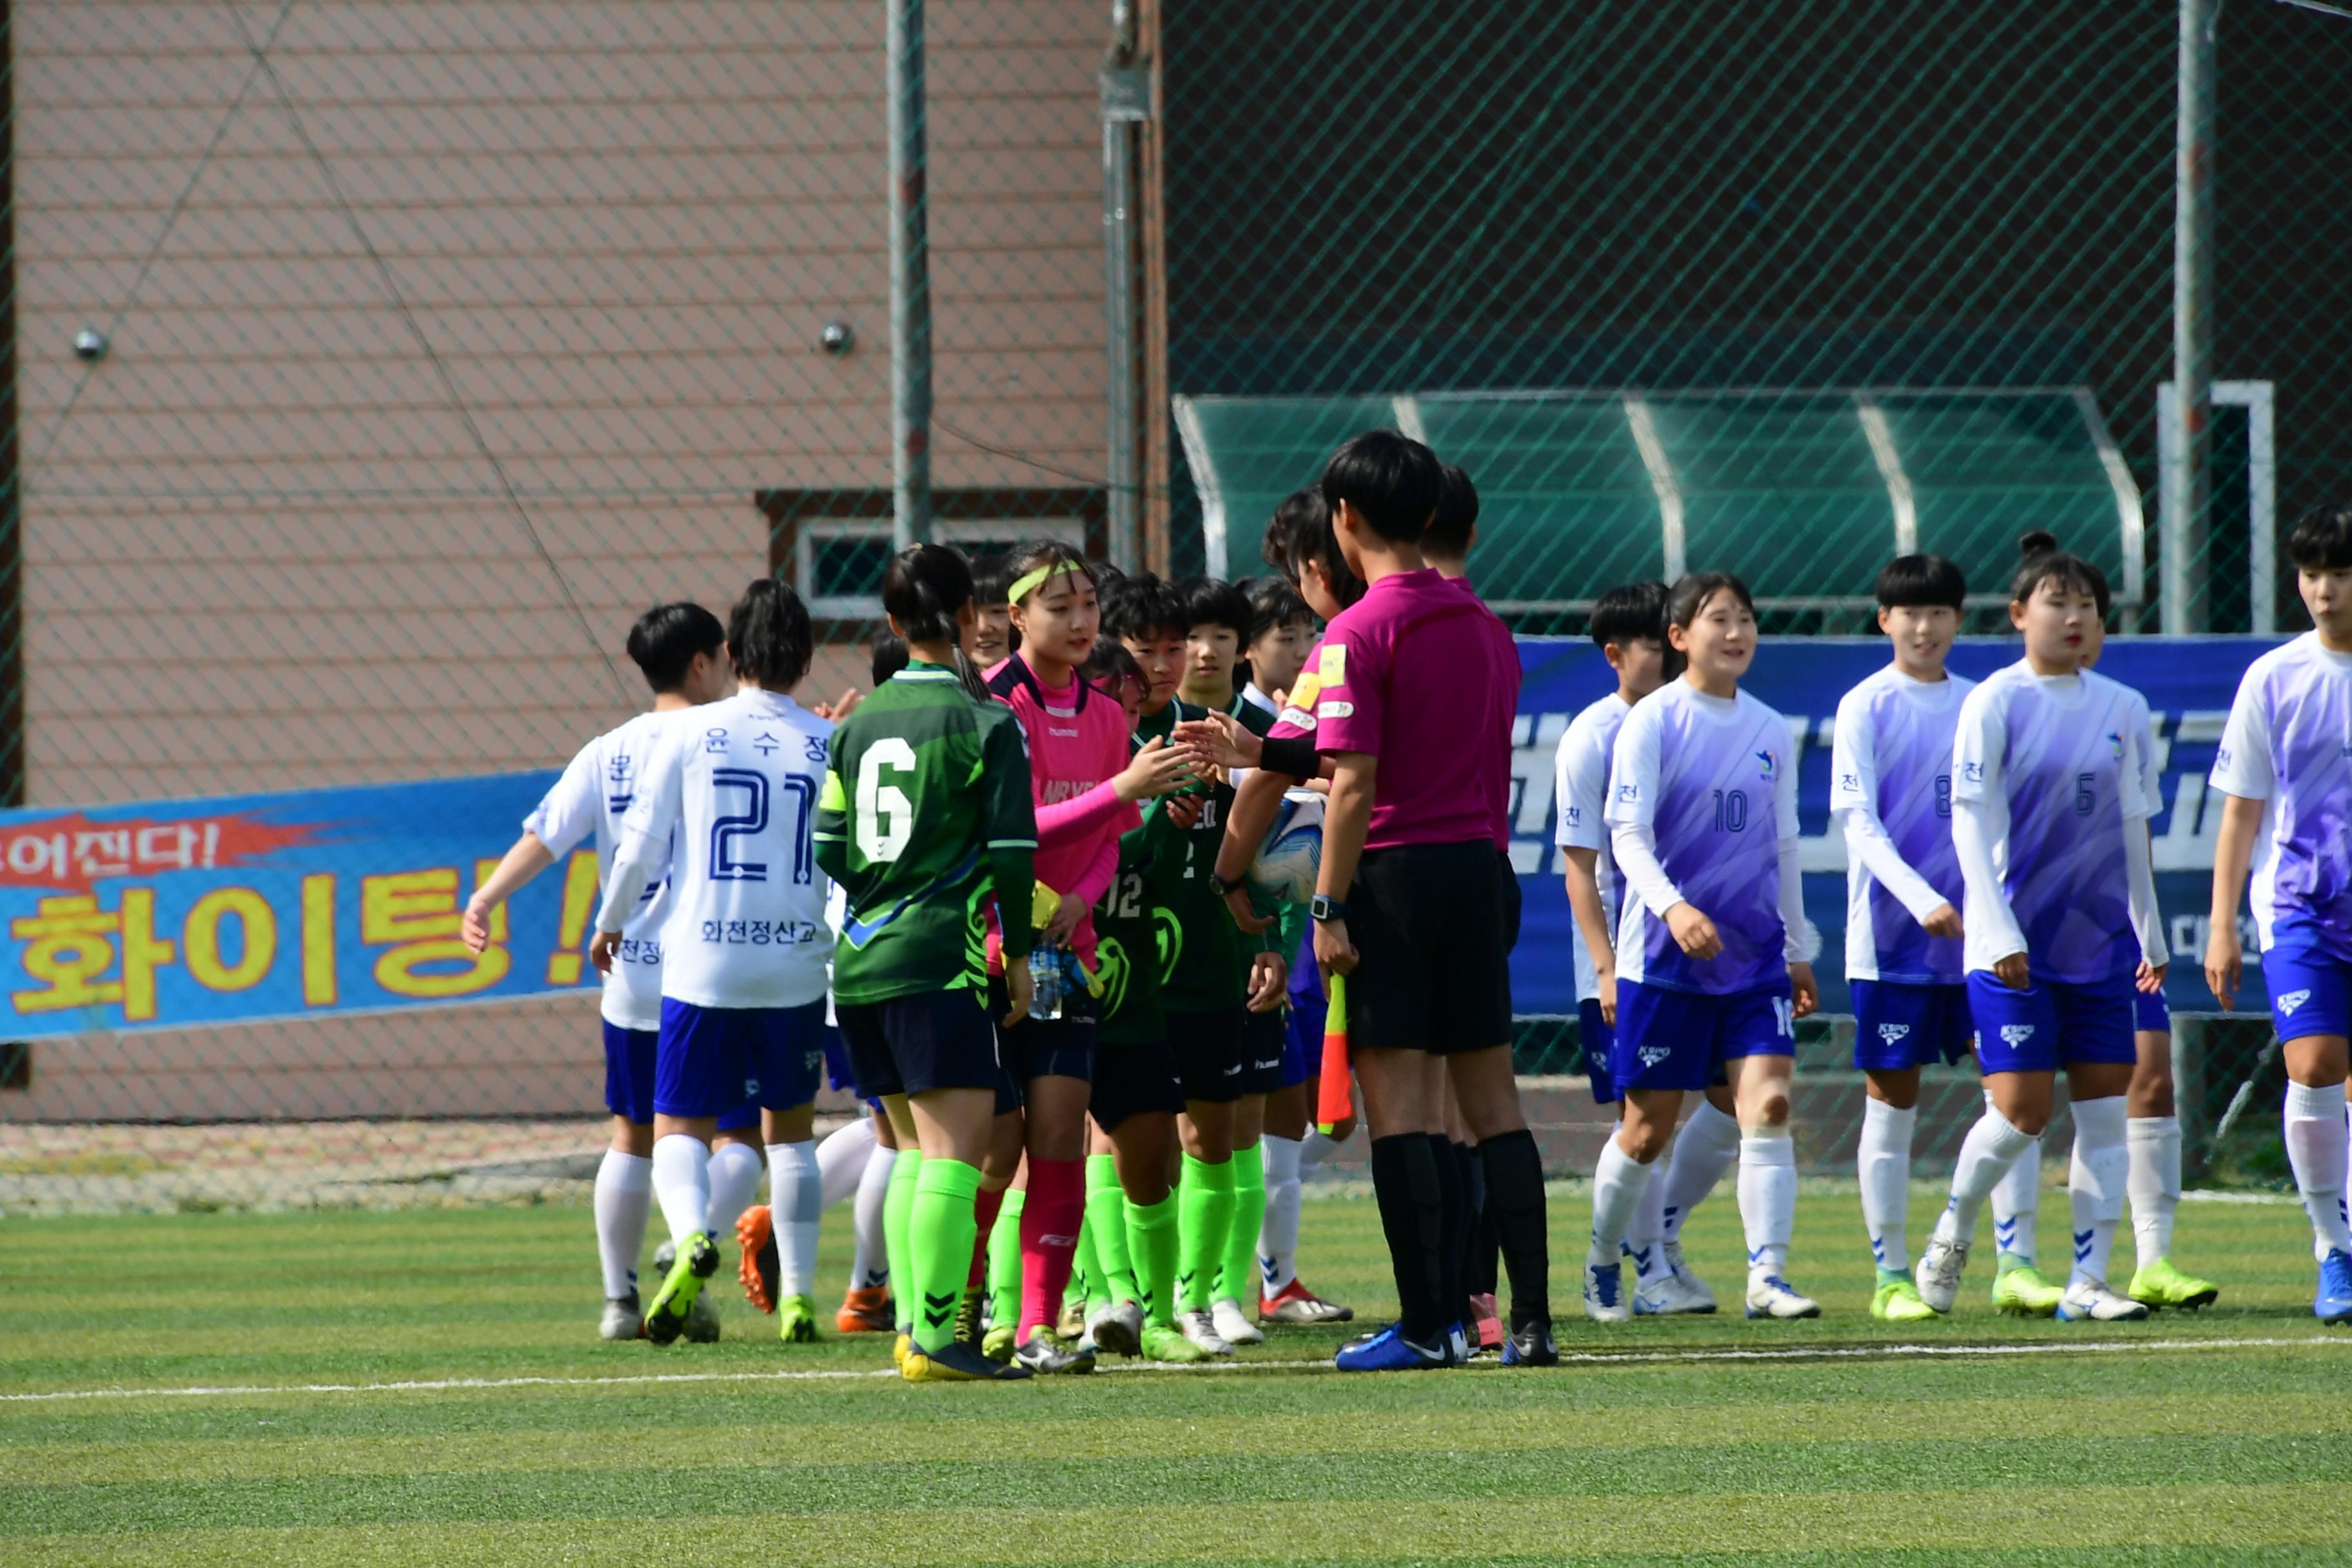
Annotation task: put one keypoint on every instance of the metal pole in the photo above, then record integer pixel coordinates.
(2187, 452)
(910, 283)
(1125, 104)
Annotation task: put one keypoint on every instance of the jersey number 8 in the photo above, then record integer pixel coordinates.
(886, 818)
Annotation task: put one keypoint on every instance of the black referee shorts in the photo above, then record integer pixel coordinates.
(1433, 973)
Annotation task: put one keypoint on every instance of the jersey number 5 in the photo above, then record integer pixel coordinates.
(886, 818)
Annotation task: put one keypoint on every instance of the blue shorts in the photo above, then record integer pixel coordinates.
(2151, 1013)
(1898, 1027)
(1302, 1057)
(1596, 1034)
(838, 1074)
(629, 1080)
(2310, 992)
(1676, 1039)
(2050, 1023)
(710, 1059)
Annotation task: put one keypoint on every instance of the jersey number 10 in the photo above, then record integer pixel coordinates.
(1731, 811)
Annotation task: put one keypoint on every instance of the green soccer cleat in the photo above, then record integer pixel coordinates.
(673, 1305)
(796, 1319)
(969, 1317)
(1897, 1302)
(2018, 1290)
(997, 1343)
(2160, 1285)
(1162, 1341)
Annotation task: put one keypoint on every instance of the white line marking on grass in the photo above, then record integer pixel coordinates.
(1578, 1358)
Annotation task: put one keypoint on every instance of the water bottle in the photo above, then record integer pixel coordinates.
(1045, 979)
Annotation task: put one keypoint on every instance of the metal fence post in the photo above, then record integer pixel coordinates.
(2187, 445)
(1125, 104)
(910, 283)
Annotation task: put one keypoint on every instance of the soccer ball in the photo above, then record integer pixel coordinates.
(1292, 853)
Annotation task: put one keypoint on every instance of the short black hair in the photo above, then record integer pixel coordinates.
(1695, 589)
(1274, 602)
(1392, 480)
(1631, 612)
(769, 638)
(1456, 517)
(890, 657)
(1143, 607)
(2041, 561)
(990, 579)
(1211, 603)
(2321, 539)
(667, 637)
(922, 589)
(1108, 663)
(1053, 555)
(1301, 531)
(1921, 582)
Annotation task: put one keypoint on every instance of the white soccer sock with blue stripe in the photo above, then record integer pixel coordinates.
(1703, 1153)
(2317, 1143)
(625, 1197)
(2154, 1143)
(1618, 1182)
(795, 1202)
(1767, 1197)
(1987, 1154)
(2096, 1180)
(2017, 1206)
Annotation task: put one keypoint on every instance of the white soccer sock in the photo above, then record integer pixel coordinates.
(625, 1197)
(2317, 1143)
(2017, 1204)
(1315, 1148)
(682, 1183)
(2094, 1180)
(841, 1158)
(869, 1267)
(1703, 1153)
(1883, 1161)
(1277, 1235)
(1987, 1153)
(796, 1199)
(1768, 1195)
(1645, 1236)
(734, 1179)
(2154, 1182)
(1618, 1183)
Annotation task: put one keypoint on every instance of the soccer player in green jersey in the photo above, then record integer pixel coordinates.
(924, 821)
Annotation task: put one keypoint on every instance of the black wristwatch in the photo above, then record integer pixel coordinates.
(1234, 885)
(1319, 907)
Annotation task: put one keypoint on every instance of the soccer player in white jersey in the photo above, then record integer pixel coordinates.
(1628, 623)
(2060, 918)
(2285, 770)
(681, 650)
(1711, 962)
(1891, 789)
(744, 949)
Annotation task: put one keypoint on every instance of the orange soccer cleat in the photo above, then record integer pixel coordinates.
(755, 1236)
(867, 1312)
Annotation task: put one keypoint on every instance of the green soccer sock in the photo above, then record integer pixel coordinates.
(941, 1228)
(1107, 1224)
(898, 1208)
(1005, 1260)
(1151, 1239)
(1204, 1211)
(1238, 1280)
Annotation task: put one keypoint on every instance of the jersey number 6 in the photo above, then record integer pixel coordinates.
(886, 818)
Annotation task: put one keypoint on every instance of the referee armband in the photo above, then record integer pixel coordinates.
(1292, 754)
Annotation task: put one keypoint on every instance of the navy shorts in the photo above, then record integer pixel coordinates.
(1596, 1034)
(1264, 1043)
(1210, 1059)
(2310, 992)
(2151, 1013)
(912, 1045)
(837, 1073)
(1898, 1025)
(1039, 1047)
(710, 1059)
(1676, 1039)
(629, 1080)
(2050, 1023)
(1132, 1078)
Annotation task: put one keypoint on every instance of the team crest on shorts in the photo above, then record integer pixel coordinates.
(1891, 1032)
(1652, 1055)
(2015, 1034)
(2291, 1001)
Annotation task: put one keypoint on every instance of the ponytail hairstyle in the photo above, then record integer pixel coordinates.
(2041, 561)
(890, 657)
(922, 589)
(769, 638)
(1302, 531)
(1030, 565)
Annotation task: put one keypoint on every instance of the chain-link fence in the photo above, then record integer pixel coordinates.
(371, 367)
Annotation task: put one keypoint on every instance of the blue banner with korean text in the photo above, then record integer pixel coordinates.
(2188, 683)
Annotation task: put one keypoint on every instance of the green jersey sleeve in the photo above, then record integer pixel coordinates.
(1011, 825)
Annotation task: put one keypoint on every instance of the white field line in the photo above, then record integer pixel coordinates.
(1580, 1358)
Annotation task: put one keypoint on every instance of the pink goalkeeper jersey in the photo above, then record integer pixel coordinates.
(1077, 744)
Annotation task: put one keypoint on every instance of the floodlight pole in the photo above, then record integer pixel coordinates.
(2187, 448)
(910, 283)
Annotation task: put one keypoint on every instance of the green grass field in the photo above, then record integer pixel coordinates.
(459, 1408)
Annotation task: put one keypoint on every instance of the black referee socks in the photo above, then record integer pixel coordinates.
(1515, 1198)
(1453, 1227)
(1405, 1183)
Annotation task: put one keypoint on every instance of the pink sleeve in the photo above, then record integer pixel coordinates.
(1094, 881)
(1072, 821)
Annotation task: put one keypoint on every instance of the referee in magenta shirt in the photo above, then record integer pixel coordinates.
(1414, 712)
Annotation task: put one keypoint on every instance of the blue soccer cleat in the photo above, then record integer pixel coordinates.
(2333, 1301)
(1388, 1350)
(1531, 1346)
